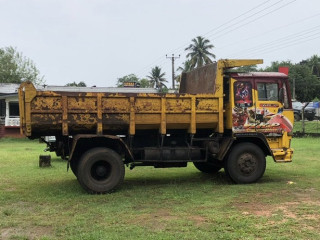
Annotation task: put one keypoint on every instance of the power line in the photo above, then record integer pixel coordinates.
(254, 14)
(285, 45)
(230, 21)
(277, 41)
(155, 63)
(184, 45)
(226, 23)
(151, 64)
(275, 44)
(233, 19)
(267, 32)
(255, 19)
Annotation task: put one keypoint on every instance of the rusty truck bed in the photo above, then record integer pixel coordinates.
(68, 113)
(61, 112)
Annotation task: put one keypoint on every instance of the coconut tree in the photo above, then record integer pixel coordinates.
(186, 66)
(199, 52)
(156, 78)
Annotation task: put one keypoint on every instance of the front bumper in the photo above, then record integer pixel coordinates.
(282, 155)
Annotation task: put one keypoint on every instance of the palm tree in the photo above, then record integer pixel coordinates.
(156, 78)
(186, 67)
(199, 52)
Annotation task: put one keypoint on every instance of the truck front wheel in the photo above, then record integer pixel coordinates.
(100, 170)
(246, 163)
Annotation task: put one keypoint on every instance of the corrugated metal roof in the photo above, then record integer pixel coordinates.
(12, 88)
(6, 95)
(96, 89)
(8, 88)
(260, 74)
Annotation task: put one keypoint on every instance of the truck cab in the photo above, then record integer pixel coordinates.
(260, 102)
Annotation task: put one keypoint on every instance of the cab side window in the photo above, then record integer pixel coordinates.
(243, 94)
(268, 92)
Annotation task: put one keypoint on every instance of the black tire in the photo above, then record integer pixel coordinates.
(207, 167)
(100, 170)
(246, 163)
(310, 118)
(74, 167)
(297, 117)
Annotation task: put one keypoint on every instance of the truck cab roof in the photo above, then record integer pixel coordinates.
(259, 75)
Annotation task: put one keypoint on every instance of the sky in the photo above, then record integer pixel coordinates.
(99, 41)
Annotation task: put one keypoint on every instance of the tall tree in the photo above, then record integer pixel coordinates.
(307, 85)
(252, 68)
(276, 64)
(74, 84)
(14, 67)
(127, 78)
(157, 78)
(199, 52)
(144, 83)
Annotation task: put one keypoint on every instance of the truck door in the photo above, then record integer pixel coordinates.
(270, 105)
(260, 105)
(243, 107)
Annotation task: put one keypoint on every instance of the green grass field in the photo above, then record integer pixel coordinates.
(48, 203)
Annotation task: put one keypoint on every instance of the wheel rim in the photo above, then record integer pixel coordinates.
(101, 170)
(247, 164)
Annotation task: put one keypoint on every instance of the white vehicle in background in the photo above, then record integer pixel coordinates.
(315, 105)
(309, 111)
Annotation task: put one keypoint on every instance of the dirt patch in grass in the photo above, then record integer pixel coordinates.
(289, 210)
(162, 219)
(198, 220)
(156, 221)
(256, 208)
(29, 233)
(268, 210)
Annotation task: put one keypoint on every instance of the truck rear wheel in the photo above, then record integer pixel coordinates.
(246, 163)
(206, 167)
(100, 170)
(74, 167)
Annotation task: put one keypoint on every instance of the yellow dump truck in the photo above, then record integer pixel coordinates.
(219, 119)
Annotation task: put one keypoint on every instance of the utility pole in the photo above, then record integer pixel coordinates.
(172, 60)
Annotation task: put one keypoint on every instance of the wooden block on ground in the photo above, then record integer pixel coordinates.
(45, 161)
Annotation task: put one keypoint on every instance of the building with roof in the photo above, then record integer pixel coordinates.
(9, 110)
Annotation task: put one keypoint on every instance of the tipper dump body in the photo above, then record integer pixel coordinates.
(198, 105)
(70, 113)
(215, 118)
